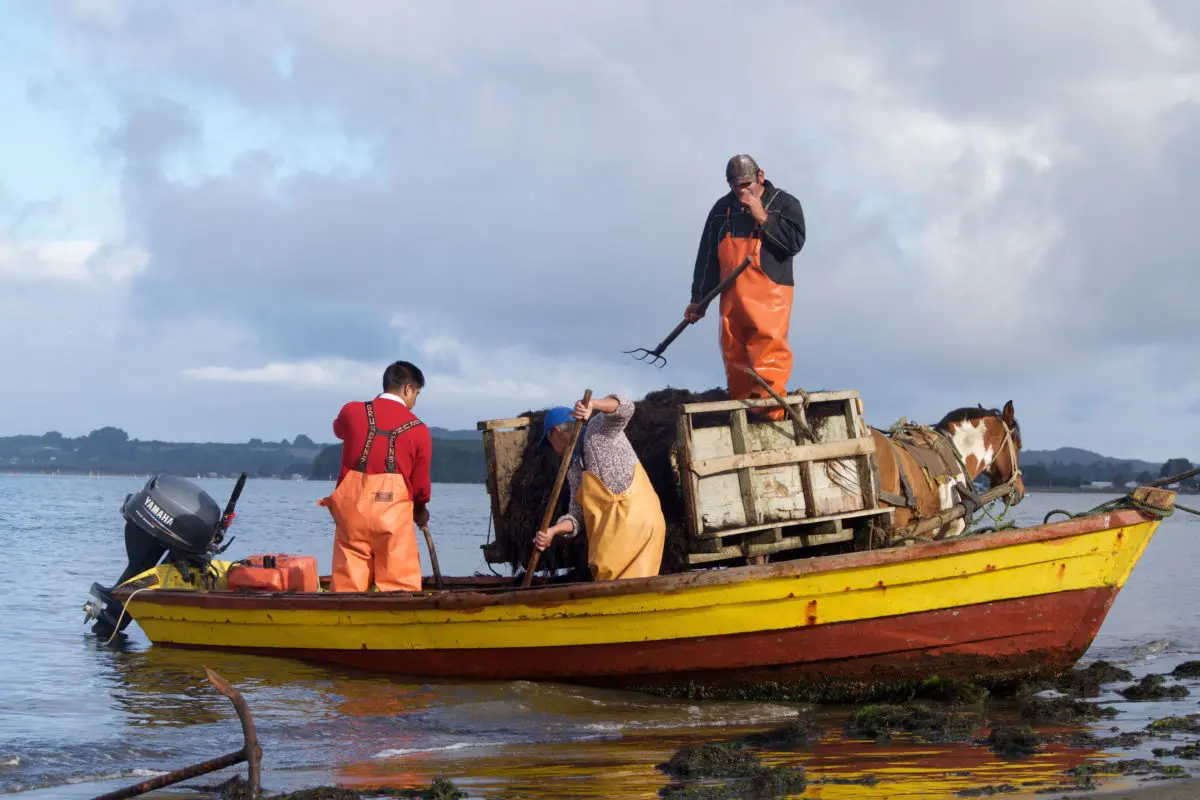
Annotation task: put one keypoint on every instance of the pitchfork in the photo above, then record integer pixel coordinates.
(655, 355)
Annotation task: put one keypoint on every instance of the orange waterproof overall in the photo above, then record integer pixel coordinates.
(755, 315)
(376, 539)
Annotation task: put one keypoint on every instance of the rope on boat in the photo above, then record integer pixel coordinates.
(124, 610)
(487, 542)
(999, 523)
(1128, 501)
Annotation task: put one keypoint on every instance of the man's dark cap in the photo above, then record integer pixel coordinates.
(740, 169)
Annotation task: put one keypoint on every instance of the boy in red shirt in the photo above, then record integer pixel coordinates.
(383, 487)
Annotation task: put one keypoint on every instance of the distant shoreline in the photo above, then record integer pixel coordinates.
(108, 474)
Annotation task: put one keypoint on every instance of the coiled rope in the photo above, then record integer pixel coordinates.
(1128, 501)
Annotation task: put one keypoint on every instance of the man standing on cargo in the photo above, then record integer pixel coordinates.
(383, 487)
(759, 221)
(612, 499)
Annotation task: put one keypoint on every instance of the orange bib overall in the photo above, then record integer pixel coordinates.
(755, 315)
(376, 539)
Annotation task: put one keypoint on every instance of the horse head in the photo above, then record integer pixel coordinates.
(988, 441)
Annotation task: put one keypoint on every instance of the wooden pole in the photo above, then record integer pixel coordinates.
(1183, 476)
(787, 407)
(251, 753)
(563, 466)
(951, 514)
(437, 572)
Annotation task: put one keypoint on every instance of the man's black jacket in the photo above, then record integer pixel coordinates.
(783, 236)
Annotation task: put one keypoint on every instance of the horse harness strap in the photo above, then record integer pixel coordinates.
(1012, 455)
(933, 451)
(392, 435)
(909, 500)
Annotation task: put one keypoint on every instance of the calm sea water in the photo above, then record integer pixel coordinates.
(78, 719)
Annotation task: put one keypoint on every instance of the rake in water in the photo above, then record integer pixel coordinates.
(656, 355)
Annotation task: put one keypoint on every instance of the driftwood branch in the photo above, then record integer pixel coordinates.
(251, 753)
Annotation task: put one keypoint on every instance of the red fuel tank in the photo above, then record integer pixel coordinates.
(274, 572)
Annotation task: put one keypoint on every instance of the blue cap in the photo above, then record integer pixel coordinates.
(554, 417)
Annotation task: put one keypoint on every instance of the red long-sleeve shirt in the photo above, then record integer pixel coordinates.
(413, 447)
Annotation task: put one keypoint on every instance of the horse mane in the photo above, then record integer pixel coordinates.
(970, 414)
(966, 414)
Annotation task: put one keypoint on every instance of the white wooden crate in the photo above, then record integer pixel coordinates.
(744, 475)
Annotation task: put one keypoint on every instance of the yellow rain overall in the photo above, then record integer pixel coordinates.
(625, 532)
(755, 315)
(376, 538)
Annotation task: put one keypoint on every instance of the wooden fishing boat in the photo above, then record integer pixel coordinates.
(999, 605)
(761, 598)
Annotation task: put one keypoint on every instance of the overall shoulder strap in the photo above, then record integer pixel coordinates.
(361, 466)
(392, 437)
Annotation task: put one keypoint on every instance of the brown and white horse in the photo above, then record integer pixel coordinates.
(923, 471)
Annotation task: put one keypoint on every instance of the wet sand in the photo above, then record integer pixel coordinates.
(1168, 790)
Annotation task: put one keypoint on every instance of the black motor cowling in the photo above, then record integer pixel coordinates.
(176, 512)
(169, 516)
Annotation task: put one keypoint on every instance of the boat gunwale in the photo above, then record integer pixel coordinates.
(557, 594)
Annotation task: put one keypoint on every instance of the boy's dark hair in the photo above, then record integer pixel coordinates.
(400, 373)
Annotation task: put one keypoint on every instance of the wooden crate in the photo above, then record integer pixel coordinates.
(754, 488)
(504, 442)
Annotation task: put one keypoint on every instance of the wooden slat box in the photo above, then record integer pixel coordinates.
(742, 475)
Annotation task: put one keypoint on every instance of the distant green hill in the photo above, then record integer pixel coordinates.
(1075, 455)
(465, 435)
(458, 458)
(110, 450)
(1073, 466)
(453, 461)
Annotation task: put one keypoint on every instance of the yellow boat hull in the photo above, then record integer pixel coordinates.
(996, 605)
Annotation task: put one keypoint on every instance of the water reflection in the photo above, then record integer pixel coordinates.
(167, 686)
(627, 768)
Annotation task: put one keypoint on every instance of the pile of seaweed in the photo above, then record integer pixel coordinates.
(652, 432)
(236, 788)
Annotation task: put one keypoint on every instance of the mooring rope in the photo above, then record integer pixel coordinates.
(999, 523)
(1128, 501)
(487, 542)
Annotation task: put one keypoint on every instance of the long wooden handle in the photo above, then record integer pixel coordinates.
(1183, 476)
(702, 304)
(952, 513)
(437, 572)
(563, 466)
(728, 279)
(672, 336)
(805, 428)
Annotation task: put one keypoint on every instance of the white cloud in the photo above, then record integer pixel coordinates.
(463, 381)
(70, 261)
(330, 373)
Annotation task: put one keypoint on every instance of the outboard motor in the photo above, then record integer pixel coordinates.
(170, 516)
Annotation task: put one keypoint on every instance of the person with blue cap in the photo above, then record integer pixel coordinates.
(612, 499)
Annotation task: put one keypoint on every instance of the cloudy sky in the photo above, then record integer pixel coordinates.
(221, 220)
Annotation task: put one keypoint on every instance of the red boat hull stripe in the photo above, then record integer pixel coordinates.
(1037, 634)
